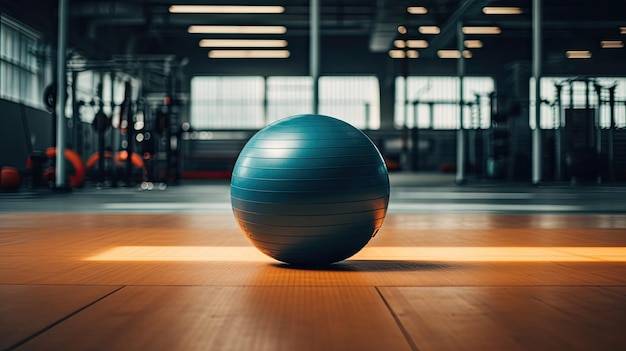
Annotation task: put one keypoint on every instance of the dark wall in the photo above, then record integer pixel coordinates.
(22, 129)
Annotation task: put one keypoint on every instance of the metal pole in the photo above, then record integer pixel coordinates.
(76, 127)
(536, 136)
(590, 133)
(571, 95)
(367, 115)
(415, 139)
(610, 140)
(404, 158)
(596, 132)
(405, 74)
(114, 134)
(598, 119)
(431, 115)
(60, 172)
(314, 48)
(460, 139)
(265, 102)
(558, 133)
(487, 139)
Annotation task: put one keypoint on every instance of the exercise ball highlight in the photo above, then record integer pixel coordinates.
(309, 190)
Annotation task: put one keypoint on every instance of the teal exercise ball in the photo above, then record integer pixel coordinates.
(309, 190)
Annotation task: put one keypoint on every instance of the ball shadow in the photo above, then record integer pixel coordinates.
(372, 266)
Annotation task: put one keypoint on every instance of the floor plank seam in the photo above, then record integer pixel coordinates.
(515, 286)
(54, 324)
(59, 284)
(608, 289)
(407, 335)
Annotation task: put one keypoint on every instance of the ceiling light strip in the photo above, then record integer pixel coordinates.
(501, 10)
(241, 54)
(473, 44)
(397, 54)
(417, 44)
(242, 43)
(400, 44)
(482, 30)
(411, 44)
(225, 9)
(413, 54)
(211, 29)
(578, 54)
(400, 54)
(417, 10)
(612, 44)
(429, 29)
(453, 54)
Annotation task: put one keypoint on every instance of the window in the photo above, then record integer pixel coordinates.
(574, 93)
(22, 67)
(432, 102)
(227, 102)
(288, 96)
(355, 100)
(253, 102)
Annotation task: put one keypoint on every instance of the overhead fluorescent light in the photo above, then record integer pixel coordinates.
(225, 9)
(429, 29)
(397, 54)
(417, 10)
(473, 44)
(249, 54)
(237, 29)
(612, 44)
(412, 44)
(417, 44)
(412, 54)
(622, 30)
(481, 30)
(578, 54)
(445, 54)
(501, 10)
(243, 43)
(453, 54)
(400, 44)
(402, 29)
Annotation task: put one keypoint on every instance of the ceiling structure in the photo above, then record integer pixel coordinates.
(101, 30)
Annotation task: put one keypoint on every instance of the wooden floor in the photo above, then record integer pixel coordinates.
(72, 281)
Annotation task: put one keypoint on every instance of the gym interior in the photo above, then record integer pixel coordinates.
(468, 193)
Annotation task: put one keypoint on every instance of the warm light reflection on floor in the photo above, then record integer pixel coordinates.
(413, 253)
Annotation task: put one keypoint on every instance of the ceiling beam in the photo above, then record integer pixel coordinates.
(385, 26)
(448, 29)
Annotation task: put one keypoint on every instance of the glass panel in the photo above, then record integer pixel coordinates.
(577, 93)
(21, 73)
(288, 96)
(441, 96)
(238, 102)
(3, 79)
(227, 102)
(354, 99)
